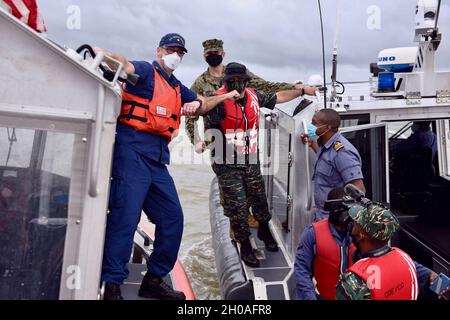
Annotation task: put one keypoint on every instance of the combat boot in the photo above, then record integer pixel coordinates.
(265, 235)
(247, 254)
(155, 288)
(112, 292)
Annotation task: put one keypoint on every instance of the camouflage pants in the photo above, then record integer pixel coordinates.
(242, 187)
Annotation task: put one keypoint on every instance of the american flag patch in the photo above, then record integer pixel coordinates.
(160, 110)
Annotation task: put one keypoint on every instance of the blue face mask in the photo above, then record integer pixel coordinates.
(312, 135)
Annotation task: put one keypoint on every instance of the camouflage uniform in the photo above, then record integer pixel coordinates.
(241, 185)
(206, 85)
(379, 223)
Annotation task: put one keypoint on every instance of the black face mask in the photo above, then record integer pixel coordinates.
(239, 86)
(214, 60)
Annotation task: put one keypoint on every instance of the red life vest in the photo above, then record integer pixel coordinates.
(392, 276)
(328, 260)
(160, 115)
(240, 125)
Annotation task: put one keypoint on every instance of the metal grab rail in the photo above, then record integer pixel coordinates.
(308, 174)
(96, 132)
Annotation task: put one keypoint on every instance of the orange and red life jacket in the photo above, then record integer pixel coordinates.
(161, 115)
(328, 260)
(241, 123)
(392, 276)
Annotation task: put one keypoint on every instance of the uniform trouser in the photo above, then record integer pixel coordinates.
(139, 183)
(240, 186)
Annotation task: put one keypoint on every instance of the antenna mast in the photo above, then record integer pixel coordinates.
(335, 50)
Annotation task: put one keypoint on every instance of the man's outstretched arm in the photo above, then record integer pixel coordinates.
(128, 67)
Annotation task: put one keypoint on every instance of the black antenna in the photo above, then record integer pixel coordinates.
(323, 58)
(437, 15)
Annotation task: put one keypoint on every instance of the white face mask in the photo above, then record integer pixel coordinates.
(172, 61)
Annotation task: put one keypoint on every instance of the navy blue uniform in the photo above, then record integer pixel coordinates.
(419, 138)
(304, 260)
(338, 163)
(141, 182)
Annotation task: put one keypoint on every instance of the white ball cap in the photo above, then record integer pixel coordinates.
(315, 80)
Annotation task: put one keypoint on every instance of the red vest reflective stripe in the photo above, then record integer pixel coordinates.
(160, 115)
(392, 276)
(238, 124)
(327, 262)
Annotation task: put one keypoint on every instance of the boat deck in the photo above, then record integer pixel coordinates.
(274, 270)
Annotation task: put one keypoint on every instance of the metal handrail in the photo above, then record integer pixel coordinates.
(94, 157)
(308, 172)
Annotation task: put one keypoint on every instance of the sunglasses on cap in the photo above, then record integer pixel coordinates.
(178, 50)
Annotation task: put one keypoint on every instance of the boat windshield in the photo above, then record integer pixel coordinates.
(35, 169)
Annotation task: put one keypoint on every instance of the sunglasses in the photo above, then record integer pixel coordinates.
(171, 50)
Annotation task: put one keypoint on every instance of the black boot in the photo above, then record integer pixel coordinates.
(112, 292)
(155, 288)
(247, 254)
(265, 235)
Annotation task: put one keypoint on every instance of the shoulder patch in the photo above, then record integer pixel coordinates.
(338, 145)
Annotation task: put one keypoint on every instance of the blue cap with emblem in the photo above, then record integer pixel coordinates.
(173, 40)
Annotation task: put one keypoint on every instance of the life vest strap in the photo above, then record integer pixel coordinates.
(133, 105)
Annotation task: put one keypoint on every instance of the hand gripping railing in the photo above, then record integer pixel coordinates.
(308, 172)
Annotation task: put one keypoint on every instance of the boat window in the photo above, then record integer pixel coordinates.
(35, 169)
(354, 120)
(413, 164)
(370, 141)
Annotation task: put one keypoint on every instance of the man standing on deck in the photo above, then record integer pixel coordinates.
(338, 162)
(209, 82)
(149, 119)
(235, 160)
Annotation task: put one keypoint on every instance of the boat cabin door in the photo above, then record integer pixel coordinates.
(371, 141)
(288, 165)
(57, 130)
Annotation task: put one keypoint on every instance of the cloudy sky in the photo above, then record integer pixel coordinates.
(277, 39)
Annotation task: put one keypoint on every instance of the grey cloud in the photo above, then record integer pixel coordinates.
(279, 39)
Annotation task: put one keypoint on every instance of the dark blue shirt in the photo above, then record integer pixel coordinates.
(419, 138)
(304, 259)
(150, 145)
